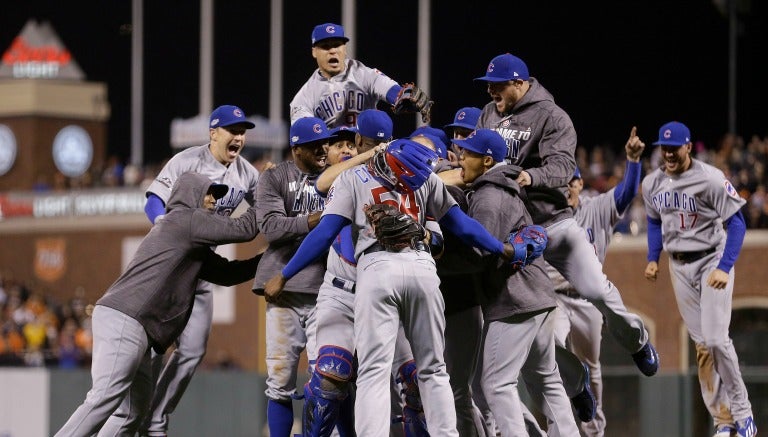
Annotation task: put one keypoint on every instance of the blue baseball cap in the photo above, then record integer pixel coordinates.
(576, 174)
(440, 147)
(327, 31)
(673, 133)
(432, 131)
(466, 118)
(374, 123)
(307, 130)
(505, 67)
(486, 142)
(344, 132)
(227, 115)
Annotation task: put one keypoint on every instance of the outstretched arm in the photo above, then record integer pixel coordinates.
(471, 232)
(627, 189)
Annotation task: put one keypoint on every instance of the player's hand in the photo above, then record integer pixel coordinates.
(717, 279)
(274, 288)
(452, 177)
(634, 146)
(313, 219)
(651, 270)
(524, 179)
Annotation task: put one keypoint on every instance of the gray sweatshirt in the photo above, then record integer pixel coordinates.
(494, 202)
(542, 140)
(158, 287)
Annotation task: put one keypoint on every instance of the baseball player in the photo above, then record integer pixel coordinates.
(289, 207)
(517, 303)
(578, 323)
(541, 139)
(688, 204)
(220, 160)
(149, 304)
(340, 88)
(406, 289)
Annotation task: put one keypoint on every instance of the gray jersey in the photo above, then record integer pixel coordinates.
(355, 188)
(338, 100)
(241, 177)
(691, 206)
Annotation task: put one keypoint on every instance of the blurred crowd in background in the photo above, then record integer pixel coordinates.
(37, 331)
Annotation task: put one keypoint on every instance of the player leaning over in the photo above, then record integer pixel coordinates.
(541, 139)
(340, 88)
(688, 202)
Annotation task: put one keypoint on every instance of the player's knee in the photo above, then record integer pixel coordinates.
(407, 375)
(332, 374)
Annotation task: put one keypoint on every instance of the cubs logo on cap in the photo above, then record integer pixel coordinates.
(327, 31)
(227, 115)
(308, 129)
(505, 67)
(465, 118)
(673, 133)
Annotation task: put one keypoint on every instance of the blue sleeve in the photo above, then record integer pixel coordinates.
(737, 228)
(654, 239)
(626, 189)
(154, 207)
(392, 94)
(470, 231)
(315, 243)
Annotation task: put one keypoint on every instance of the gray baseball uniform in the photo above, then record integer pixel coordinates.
(394, 287)
(692, 207)
(339, 100)
(241, 177)
(541, 139)
(286, 196)
(150, 303)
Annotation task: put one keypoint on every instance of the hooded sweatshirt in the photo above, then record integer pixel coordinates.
(542, 140)
(494, 202)
(158, 286)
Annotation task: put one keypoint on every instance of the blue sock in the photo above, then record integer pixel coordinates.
(280, 418)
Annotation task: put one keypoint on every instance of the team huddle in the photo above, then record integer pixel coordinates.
(424, 277)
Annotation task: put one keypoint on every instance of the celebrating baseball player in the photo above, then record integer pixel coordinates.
(518, 299)
(289, 208)
(541, 139)
(220, 160)
(340, 88)
(149, 304)
(688, 203)
(396, 278)
(578, 323)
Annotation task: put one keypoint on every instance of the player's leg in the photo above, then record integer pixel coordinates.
(134, 408)
(119, 345)
(330, 381)
(376, 324)
(183, 361)
(422, 312)
(542, 378)
(478, 397)
(570, 253)
(505, 348)
(688, 299)
(285, 340)
(463, 330)
(406, 402)
(716, 307)
(585, 339)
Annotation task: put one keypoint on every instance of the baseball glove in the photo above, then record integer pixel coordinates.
(412, 99)
(394, 229)
(529, 243)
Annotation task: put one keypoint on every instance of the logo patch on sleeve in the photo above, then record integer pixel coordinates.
(731, 190)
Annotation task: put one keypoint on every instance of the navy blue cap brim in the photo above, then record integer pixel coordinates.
(316, 139)
(247, 124)
(667, 143)
(218, 190)
(492, 79)
(341, 38)
(462, 125)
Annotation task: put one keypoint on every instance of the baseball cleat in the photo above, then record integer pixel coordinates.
(584, 402)
(647, 359)
(725, 431)
(746, 427)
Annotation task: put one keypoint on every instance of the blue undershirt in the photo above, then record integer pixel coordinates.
(154, 207)
(627, 189)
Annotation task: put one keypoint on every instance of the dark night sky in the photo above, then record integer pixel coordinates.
(610, 65)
